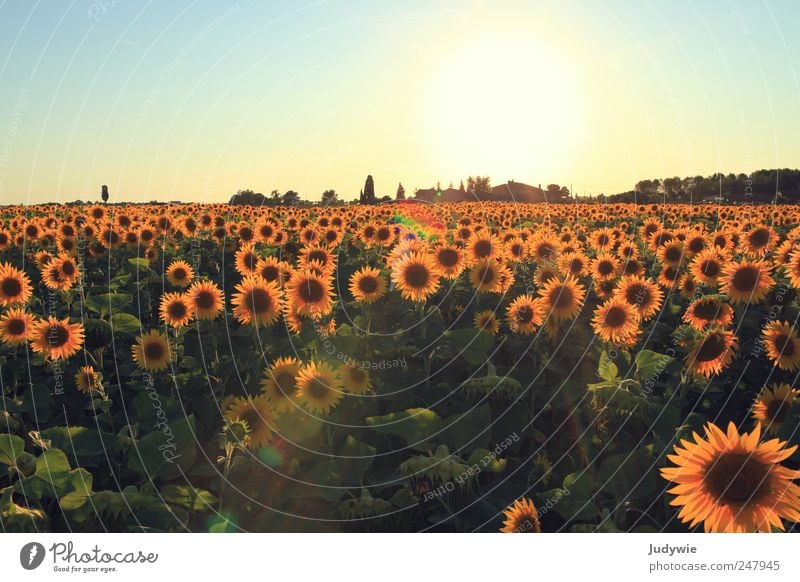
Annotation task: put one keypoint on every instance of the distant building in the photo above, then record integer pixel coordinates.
(511, 191)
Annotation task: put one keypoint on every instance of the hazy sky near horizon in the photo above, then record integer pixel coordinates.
(194, 99)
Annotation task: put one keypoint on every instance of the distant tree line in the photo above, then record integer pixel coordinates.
(782, 185)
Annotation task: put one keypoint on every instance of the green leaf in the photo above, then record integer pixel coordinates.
(125, 324)
(606, 368)
(470, 344)
(166, 451)
(472, 428)
(11, 447)
(650, 364)
(354, 459)
(84, 446)
(572, 501)
(415, 425)
(140, 263)
(629, 476)
(188, 497)
(108, 302)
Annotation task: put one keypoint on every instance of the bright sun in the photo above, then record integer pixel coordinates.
(507, 107)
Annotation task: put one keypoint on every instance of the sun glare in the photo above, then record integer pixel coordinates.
(507, 107)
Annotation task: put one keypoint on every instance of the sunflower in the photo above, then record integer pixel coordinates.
(671, 253)
(246, 260)
(175, 309)
(792, 269)
(642, 294)
(205, 299)
(87, 380)
(450, 261)
(562, 300)
(16, 327)
(487, 321)
(416, 275)
(576, 263)
(271, 269)
(782, 345)
(480, 247)
(279, 383)
(319, 387)
(605, 266)
(367, 285)
(486, 276)
(257, 413)
(256, 302)
(180, 274)
(151, 351)
(56, 339)
(524, 315)
(706, 266)
(310, 293)
(616, 321)
(759, 241)
(731, 483)
(748, 281)
(772, 404)
(521, 517)
(15, 287)
(356, 380)
(544, 246)
(706, 311)
(318, 255)
(712, 352)
(687, 286)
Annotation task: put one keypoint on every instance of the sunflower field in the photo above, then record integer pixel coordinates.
(451, 367)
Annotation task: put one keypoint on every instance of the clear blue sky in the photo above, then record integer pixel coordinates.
(193, 100)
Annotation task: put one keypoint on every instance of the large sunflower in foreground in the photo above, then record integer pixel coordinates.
(642, 294)
(712, 352)
(486, 321)
(175, 310)
(257, 413)
(562, 300)
(416, 275)
(730, 482)
(616, 321)
(782, 344)
(748, 281)
(708, 310)
(367, 285)
(256, 302)
(16, 327)
(56, 339)
(205, 299)
(280, 383)
(319, 387)
(310, 293)
(521, 517)
(772, 404)
(356, 379)
(15, 287)
(524, 315)
(151, 351)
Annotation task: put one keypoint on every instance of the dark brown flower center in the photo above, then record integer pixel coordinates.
(179, 273)
(57, 336)
(759, 238)
(448, 257)
(616, 317)
(417, 276)
(737, 478)
(710, 268)
(524, 314)
(204, 300)
(311, 291)
(713, 347)
(153, 351)
(784, 344)
(177, 310)
(562, 297)
(368, 284)
(259, 301)
(483, 248)
(11, 287)
(285, 383)
(318, 389)
(16, 326)
(605, 267)
(707, 310)
(746, 279)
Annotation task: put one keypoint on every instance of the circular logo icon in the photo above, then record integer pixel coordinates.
(31, 555)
